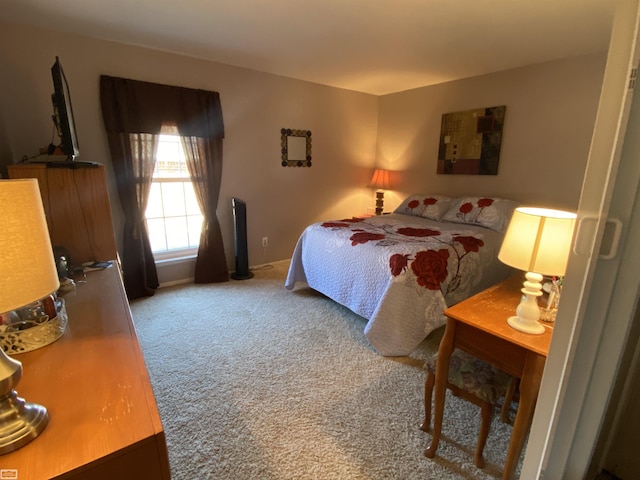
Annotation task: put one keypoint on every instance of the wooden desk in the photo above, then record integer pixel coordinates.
(103, 419)
(479, 326)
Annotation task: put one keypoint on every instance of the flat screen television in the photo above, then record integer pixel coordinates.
(63, 113)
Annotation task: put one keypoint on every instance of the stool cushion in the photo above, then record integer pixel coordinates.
(474, 376)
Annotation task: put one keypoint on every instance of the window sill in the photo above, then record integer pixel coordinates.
(175, 259)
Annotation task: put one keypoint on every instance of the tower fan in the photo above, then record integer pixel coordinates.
(240, 231)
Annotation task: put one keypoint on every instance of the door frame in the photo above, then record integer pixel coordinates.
(596, 311)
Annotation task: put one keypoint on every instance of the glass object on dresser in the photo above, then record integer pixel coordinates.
(553, 288)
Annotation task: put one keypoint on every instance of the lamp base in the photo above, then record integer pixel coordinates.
(526, 327)
(528, 312)
(379, 202)
(20, 422)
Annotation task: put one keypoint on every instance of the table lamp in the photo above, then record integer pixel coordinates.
(27, 274)
(538, 241)
(380, 181)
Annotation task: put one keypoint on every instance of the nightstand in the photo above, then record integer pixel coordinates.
(479, 326)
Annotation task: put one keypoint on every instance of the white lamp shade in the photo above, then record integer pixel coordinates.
(538, 240)
(27, 268)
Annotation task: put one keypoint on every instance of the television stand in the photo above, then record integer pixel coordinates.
(76, 204)
(72, 164)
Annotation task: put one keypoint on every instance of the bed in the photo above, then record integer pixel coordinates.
(402, 270)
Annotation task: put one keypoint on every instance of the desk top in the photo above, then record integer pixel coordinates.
(92, 381)
(489, 310)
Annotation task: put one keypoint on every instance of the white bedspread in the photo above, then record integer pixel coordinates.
(399, 272)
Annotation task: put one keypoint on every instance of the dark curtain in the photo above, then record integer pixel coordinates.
(205, 174)
(134, 113)
(133, 171)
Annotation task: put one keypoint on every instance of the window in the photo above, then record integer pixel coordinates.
(173, 216)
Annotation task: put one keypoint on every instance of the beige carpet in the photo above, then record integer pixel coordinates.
(257, 382)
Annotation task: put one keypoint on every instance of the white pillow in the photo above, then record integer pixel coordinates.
(423, 205)
(490, 212)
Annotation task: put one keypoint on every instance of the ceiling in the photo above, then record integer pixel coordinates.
(372, 46)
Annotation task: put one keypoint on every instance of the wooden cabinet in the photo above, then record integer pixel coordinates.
(103, 420)
(76, 203)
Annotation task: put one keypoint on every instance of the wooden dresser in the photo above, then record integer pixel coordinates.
(103, 420)
(76, 203)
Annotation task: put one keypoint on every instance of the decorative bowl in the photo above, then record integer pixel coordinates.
(33, 335)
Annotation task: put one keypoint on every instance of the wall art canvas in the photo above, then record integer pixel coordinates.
(470, 141)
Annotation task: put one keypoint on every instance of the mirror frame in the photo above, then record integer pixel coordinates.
(285, 133)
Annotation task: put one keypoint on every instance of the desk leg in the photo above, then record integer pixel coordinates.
(442, 375)
(529, 388)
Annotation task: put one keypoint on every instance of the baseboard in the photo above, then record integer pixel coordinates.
(277, 262)
(182, 281)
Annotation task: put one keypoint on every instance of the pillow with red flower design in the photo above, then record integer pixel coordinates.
(493, 213)
(428, 206)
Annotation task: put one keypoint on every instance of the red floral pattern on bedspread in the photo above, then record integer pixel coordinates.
(417, 232)
(364, 237)
(430, 268)
(431, 265)
(342, 223)
(398, 263)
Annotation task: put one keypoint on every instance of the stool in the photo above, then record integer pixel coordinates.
(477, 382)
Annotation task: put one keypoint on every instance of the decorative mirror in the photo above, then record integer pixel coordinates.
(470, 141)
(296, 147)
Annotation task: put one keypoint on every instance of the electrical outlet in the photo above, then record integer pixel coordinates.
(265, 241)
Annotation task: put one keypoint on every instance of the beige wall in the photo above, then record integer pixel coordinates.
(281, 201)
(549, 119)
(550, 113)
